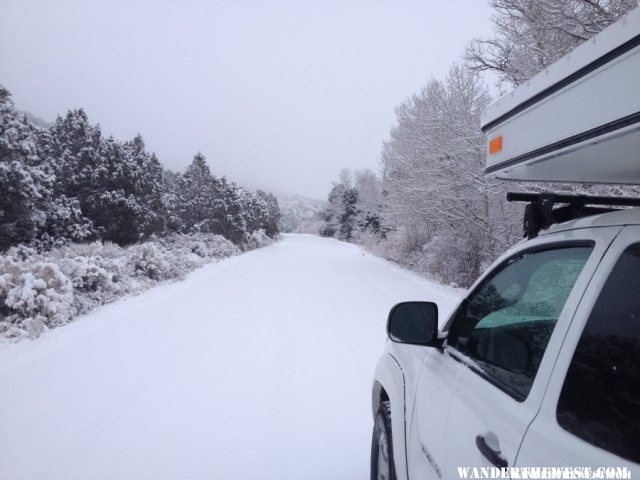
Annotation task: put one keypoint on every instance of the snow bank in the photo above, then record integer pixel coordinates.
(42, 290)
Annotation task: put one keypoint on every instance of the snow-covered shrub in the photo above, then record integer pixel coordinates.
(219, 247)
(39, 290)
(94, 281)
(97, 271)
(33, 296)
(22, 252)
(150, 260)
(87, 273)
(176, 255)
(258, 239)
(199, 246)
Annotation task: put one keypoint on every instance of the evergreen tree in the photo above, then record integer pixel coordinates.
(197, 192)
(118, 186)
(171, 201)
(109, 198)
(271, 217)
(69, 183)
(146, 184)
(73, 149)
(25, 181)
(349, 213)
(229, 217)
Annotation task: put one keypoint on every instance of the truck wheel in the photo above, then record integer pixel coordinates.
(382, 465)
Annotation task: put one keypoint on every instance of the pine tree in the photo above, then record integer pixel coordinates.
(229, 217)
(196, 193)
(67, 182)
(73, 149)
(146, 184)
(25, 181)
(118, 186)
(349, 213)
(332, 214)
(271, 220)
(171, 201)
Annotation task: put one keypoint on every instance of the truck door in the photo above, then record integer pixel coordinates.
(590, 416)
(502, 343)
(426, 446)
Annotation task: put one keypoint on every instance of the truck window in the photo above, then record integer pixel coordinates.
(600, 399)
(505, 324)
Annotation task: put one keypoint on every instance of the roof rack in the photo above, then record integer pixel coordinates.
(540, 213)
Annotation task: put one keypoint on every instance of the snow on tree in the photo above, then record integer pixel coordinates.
(73, 148)
(354, 206)
(25, 181)
(125, 194)
(269, 213)
(64, 221)
(118, 186)
(205, 203)
(349, 213)
(147, 186)
(229, 215)
(69, 183)
(443, 217)
(370, 202)
(195, 193)
(433, 176)
(171, 201)
(332, 214)
(446, 218)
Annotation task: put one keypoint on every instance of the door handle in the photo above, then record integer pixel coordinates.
(490, 447)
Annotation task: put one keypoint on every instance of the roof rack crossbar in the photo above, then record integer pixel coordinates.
(540, 212)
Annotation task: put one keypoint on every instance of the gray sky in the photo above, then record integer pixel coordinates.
(277, 94)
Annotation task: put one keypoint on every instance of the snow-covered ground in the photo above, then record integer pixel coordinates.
(258, 367)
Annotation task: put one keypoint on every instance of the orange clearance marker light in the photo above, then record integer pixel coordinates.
(495, 145)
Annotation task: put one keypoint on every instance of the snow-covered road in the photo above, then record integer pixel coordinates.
(258, 367)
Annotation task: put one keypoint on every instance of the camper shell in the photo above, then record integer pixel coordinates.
(577, 121)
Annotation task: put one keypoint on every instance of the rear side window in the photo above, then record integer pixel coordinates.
(505, 324)
(600, 399)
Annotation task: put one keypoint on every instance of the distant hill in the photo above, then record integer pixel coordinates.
(36, 120)
(299, 213)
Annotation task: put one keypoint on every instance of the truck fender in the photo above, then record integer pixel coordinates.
(390, 383)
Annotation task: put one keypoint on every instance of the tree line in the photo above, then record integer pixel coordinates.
(70, 183)
(430, 206)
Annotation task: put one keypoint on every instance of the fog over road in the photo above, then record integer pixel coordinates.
(257, 367)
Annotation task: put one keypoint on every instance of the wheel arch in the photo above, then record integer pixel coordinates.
(389, 384)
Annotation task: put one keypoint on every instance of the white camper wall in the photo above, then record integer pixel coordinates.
(577, 121)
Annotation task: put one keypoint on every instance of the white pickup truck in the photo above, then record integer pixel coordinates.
(539, 365)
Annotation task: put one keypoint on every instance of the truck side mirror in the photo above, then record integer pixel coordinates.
(415, 323)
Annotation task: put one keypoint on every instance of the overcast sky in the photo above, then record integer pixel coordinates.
(277, 94)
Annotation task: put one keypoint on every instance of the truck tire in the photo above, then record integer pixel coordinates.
(382, 464)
